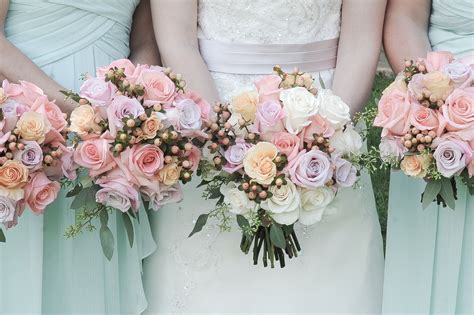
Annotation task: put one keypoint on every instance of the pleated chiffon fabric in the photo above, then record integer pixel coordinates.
(41, 271)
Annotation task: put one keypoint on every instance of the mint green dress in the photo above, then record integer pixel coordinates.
(41, 271)
(429, 263)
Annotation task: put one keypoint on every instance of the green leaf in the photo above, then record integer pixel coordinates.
(3, 239)
(104, 217)
(86, 198)
(128, 227)
(203, 183)
(200, 222)
(321, 82)
(107, 242)
(277, 236)
(242, 222)
(215, 193)
(76, 190)
(432, 189)
(447, 192)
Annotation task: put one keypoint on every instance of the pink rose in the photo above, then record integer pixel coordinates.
(25, 92)
(269, 119)
(117, 192)
(436, 60)
(194, 156)
(40, 192)
(452, 155)
(235, 155)
(185, 116)
(159, 195)
(54, 138)
(158, 87)
(319, 127)
(127, 65)
(268, 88)
(416, 86)
(97, 91)
(287, 144)
(141, 163)
(470, 167)
(423, 118)
(392, 115)
(345, 173)
(311, 169)
(68, 166)
(199, 101)
(392, 149)
(458, 111)
(122, 107)
(52, 112)
(12, 110)
(94, 155)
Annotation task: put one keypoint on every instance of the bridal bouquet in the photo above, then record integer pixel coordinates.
(33, 155)
(427, 116)
(133, 137)
(277, 154)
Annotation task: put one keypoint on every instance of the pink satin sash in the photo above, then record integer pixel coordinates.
(260, 58)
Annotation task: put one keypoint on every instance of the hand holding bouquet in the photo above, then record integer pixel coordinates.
(277, 154)
(134, 136)
(427, 116)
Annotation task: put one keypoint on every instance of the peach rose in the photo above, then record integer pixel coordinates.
(94, 155)
(416, 165)
(245, 104)
(52, 112)
(268, 88)
(423, 118)
(150, 127)
(33, 126)
(393, 111)
(458, 112)
(287, 144)
(158, 87)
(436, 60)
(83, 120)
(319, 127)
(258, 163)
(169, 174)
(13, 175)
(438, 85)
(40, 192)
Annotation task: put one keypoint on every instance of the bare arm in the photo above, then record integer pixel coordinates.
(143, 48)
(406, 31)
(175, 24)
(359, 49)
(15, 66)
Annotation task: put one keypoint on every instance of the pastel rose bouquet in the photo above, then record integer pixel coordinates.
(33, 153)
(276, 155)
(136, 136)
(427, 116)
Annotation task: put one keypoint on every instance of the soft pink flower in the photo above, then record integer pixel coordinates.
(345, 173)
(458, 112)
(319, 127)
(7, 209)
(392, 115)
(436, 60)
(392, 149)
(141, 163)
(287, 143)
(52, 112)
(158, 87)
(94, 155)
(415, 87)
(97, 91)
(185, 116)
(194, 156)
(235, 155)
(423, 118)
(470, 167)
(25, 93)
(461, 74)
(122, 107)
(200, 102)
(54, 137)
(159, 195)
(311, 169)
(12, 110)
(40, 192)
(68, 166)
(269, 119)
(117, 192)
(31, 156)
(268, 88)
(127, 65)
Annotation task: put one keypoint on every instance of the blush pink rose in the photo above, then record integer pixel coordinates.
(269, 119)
(122, 107)
(95, 155)
(392, 115)
(24, 93)
(319, 127)
(423, 118)
(194, 156)
(141, 163)
(470, 167)
(117, 192)
(158, 87)
(416, 86)
(268, 88)
(127, 65)
(52, 112)
(159, 195)
(287, 143)
(458, 111)
(235, 155)
(436, 60)
(97, 91)
(12, 111)
(40, 192)
(54, 138)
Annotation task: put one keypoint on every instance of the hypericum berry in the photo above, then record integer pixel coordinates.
(12, 146)
(217, 161)
(48, 159)
(21, 146)
(157, 107)
(123, 136)
(131, 123)
(251, 136)
(252, 195)
(174, 135)
(168, 159)
(188, 146)
(175, 149)
(186, 164)
(226, 141)
(118, 147)
(263, 194)
(245, 186)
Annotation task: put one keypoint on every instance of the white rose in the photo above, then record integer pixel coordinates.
(284, 204)
(346, 142)
(299, 105)
(237, 200)
(313, 203)
(333, 108)
(7, 209)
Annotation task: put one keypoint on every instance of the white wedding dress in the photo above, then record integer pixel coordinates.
(340, 267)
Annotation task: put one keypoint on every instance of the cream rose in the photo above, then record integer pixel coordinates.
(416, 165)
(438, 84)
(245, 104)
(33, 126)
(258, 163)
(333, 108)
(313, 203)
(348, 141)
(83, 120)
(169, 174)
(237, 199)
(150, 127)
(300, 106)
(284, 204)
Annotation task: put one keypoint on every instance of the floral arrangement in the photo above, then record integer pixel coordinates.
(135, 134)
(427, 116)
(33, 153)
(277, 154)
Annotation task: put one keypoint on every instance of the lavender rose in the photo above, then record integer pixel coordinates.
(460, 73)
(31, 156)
(450, 156)
(346, 173)
(97, 91)
(268, 117)
(7, 209)
(159, 195)
(122, 107)
(185, 116)
(311, 169)
(235, 155)
(117, 192)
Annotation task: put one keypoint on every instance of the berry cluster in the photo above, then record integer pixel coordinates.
(417, 141)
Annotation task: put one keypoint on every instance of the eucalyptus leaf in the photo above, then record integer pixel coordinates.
(203, 183)
(3, 239)
(107, 242)
(200, 223)
(447, 192)
(277, 236)
(76, 190)
(215, 193)
(128, 227)
(104, 217)
(86, 198)
(242, 222)
(432, 190)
